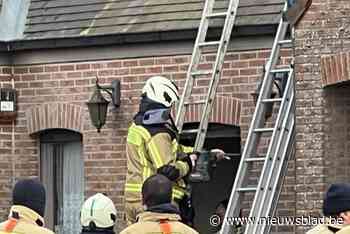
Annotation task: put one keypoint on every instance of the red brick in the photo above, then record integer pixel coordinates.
(67, 68)
(74, 75)
(129, 63)
(51, 68)
(154, 70)
(173, 68)
(146, 62)
(163, 61)
(139, 70)
(114, 64)
(20, 70)
(250, 55)
(240, 64)
(247, 72)
(264, 54)
(36, 69)
(179, 60)
(36, 84)
(43, 77)
(84, 66)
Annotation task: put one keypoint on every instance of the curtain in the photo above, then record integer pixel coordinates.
(72, 188)
(59, 156)
(47, 178)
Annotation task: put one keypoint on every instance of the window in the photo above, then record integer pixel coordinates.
(205, 196)
(62, 172)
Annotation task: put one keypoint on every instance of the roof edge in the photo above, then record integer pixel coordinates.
(147, 37)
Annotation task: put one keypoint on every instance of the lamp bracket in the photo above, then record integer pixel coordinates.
(113, 90)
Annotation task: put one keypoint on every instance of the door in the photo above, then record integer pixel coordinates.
(62, 173)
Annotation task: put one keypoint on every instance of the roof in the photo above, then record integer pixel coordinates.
(76, 18)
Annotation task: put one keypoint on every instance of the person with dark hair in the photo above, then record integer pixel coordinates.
(336, 207)
(153, 147)
(220, 211)
(98, 215)
(160, 215)
(26, 214)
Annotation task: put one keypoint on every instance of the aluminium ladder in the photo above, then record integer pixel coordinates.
(194, 70)
(267, 191)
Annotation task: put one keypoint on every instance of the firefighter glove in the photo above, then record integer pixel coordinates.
(171, 172)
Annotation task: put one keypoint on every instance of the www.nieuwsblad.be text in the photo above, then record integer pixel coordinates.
(276, 221)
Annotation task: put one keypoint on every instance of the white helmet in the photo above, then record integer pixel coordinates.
(161, 90)
(100, 210)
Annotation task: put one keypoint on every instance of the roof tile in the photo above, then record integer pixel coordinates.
(70, 18)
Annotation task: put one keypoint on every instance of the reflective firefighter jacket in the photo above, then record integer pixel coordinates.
(148, 150)
(26, 222)
(151, 223)
(329, 228)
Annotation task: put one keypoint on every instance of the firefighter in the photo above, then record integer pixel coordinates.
(160, 216)
(152, 147)
(98, 215)
(336, 206)
(27, 212)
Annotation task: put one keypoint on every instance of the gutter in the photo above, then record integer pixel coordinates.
(121, 39)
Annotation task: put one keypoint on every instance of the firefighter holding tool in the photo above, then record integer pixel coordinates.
(152, 147)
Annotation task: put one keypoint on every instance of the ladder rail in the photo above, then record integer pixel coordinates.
(257, 120)
(281, 31)
(271, 153)
(275, 160)
(217, 71)
(284, 171)
(262, 228)
(252, 138)
(195, 58)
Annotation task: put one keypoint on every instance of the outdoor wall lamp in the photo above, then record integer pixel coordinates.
(98, 105)
(280, 81)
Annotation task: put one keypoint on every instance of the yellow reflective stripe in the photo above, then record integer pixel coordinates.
(133, 187)
(136, 134)
(155, 154)
(134, 137)
(178, 194)
(144, 164)
(182, 164)
(148, 172)
(187, 149)
(175, 146)
(142, 131)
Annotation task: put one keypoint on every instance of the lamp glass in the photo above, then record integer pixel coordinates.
(98, 106)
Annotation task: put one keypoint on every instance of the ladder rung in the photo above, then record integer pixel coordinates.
(257, 159)
(210, 43)
(195, 102)
(282, 42)
(217, 15)
(247, 189)
(189, 131)
(281, 70)
(264, 130)
(201, 73)
(272, 100)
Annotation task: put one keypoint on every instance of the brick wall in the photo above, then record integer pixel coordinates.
(324, 30)
(68, 86)
(6, 149)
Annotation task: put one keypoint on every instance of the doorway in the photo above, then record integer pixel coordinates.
(206, 196)
(62, 173)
